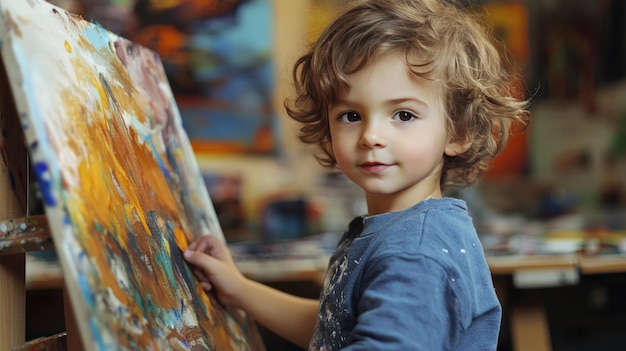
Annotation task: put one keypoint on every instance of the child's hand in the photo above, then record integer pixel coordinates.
(215, 269)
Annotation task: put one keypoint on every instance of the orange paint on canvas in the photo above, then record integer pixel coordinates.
(122, 191)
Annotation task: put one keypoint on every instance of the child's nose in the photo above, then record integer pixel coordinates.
(373, 136)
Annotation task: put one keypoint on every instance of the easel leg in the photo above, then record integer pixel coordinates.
(73, 337)
(529, 326)
(13, 165)
(12, 301)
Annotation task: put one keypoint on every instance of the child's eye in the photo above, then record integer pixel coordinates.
(349, 117)
(404, 116)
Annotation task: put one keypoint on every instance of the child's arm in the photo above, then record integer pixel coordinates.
(289, 316)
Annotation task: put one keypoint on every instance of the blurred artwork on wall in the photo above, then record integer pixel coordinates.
(217, 56)
(578, 156)
(510, 21)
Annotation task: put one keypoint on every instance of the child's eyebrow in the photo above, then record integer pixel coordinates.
(345, 103)
(407, 99)
(392, 101)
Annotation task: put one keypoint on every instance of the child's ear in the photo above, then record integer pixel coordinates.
(454, 148)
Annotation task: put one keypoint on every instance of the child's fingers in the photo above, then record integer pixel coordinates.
(206, 286)
(193, 245)
(200, 275)
(203, 244)
(212, 246)
(201, 261)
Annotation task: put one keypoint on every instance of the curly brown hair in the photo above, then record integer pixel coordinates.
(441, 41)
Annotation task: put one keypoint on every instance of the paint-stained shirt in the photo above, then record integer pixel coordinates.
(415, 279)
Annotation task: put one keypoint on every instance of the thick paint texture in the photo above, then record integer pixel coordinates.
(119, 181)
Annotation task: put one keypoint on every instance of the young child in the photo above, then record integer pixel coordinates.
(405, 97)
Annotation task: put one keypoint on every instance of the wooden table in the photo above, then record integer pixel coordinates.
(601, 264)
(527, 317)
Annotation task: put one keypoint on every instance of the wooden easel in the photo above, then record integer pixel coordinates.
(20, 233)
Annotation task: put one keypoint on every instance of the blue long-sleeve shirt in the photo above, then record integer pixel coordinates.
(415, 279)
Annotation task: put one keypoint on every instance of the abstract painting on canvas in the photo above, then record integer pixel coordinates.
(119, 182)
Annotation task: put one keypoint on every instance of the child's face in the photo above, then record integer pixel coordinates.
(389, 135)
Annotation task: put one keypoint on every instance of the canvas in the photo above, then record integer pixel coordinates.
(119, 182)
